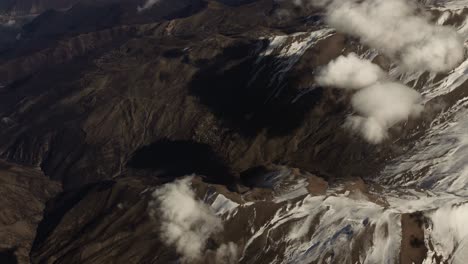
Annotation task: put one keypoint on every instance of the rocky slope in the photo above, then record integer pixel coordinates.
(113, 103)
(24, 192)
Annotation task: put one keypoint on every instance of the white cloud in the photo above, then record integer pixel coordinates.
(379, 103)
(186, 223)
(387, 102)
(396, 29)
(380, 106)
(399, 30)
(368, 128)
(11, 22)
(350, 72)
(449, 234)
(148, 4)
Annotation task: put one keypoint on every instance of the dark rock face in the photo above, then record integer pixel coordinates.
(8, 257)
(98, 97)
(179, 158)
(122, 228)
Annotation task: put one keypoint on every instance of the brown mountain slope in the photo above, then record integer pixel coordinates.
(110, 102)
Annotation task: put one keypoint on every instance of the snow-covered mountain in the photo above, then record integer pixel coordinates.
(206, 132)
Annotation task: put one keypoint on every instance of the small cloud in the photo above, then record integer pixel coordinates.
(186, 222)
(148, 4)
(349, 72)
(11, 22)
(381, 106)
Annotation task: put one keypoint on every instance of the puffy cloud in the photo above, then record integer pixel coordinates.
(379, 103)
(387, 102)
(380, 106)
(448, 232)
(442, 51)
(397, 29)
(186, 223)
(349, 72)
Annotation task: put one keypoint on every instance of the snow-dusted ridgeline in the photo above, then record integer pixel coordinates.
(287, 51)
(432, 178)
(348, 225)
